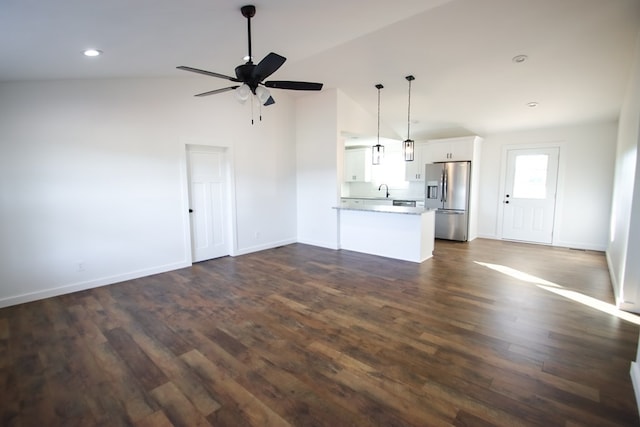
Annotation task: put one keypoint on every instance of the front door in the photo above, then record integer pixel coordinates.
(530, 194)
(208, 202)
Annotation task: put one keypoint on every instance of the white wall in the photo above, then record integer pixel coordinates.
(93, 173)
(354, 119)
(585, 181)
(317, 173)
(320, 120)
(623, 251)
(265, 177)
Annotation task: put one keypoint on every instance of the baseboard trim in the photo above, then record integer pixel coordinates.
(90, 284)
(580, 245)
(264, 247)
(326, 245)
(488, 236)
(559, 244)
(110, 280)
(614, 280)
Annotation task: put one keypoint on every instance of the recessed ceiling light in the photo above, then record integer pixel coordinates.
(532, 104)
(92, 52)
(519, 59)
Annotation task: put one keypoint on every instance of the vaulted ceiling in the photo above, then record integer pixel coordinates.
(579, 52)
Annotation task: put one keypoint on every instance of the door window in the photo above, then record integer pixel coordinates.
(530, 177)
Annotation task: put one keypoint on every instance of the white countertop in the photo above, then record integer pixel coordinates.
(417, 199)
(407, 210)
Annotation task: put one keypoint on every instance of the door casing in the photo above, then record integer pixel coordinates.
(223, 192)
(559, 145)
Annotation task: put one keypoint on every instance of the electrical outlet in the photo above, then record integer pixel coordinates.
(256, 235)
(80, 266)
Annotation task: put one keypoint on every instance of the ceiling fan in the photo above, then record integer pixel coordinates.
(251, 75)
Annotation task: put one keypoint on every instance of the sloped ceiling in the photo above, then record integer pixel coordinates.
(460, 52)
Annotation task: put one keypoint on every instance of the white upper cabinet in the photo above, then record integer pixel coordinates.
(451, 149)
(357, 165)
(414, 171)
(441, 150)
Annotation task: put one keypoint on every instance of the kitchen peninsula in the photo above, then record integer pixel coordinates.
(399, 232)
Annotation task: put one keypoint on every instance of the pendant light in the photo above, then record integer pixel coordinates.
(378, 150)
(408, 145)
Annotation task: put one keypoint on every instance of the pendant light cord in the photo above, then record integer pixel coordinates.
(409, 113)
(409, 79)
(378, 150)
(379, 113)
(379, 86)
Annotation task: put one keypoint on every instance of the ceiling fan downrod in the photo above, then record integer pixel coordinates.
(249, 12)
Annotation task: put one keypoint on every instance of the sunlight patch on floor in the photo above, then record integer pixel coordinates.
(564, 292)
(516, 274)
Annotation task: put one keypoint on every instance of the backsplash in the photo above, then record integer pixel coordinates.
(406, 190)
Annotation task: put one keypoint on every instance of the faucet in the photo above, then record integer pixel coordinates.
(379, 188)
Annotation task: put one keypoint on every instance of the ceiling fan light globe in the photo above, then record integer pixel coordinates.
(262, 94)
(243, 93)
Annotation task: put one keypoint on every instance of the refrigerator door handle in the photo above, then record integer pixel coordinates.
(441, 186)
(445, 186)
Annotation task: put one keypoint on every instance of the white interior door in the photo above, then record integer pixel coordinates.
(530, 194)
(208, 202)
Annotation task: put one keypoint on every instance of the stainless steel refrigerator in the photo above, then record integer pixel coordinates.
(447, 190)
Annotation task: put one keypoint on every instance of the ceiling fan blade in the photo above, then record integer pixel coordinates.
(267, 66)
(269, 101)
(291, 85)
(213, 92)
(207, 73)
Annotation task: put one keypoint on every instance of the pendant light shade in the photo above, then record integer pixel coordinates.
(408, 150)
(408, 145)
(377, 151)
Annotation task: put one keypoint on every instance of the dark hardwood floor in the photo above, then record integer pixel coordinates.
(305, 336)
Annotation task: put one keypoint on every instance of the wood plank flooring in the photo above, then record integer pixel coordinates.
(305, 336)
